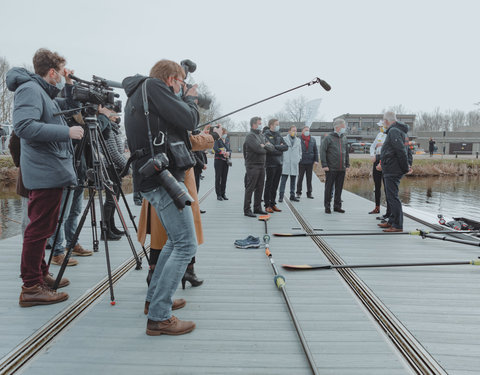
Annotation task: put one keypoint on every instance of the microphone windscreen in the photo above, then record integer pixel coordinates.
(325, 85)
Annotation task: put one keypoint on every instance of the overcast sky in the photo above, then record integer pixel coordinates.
(375, 54)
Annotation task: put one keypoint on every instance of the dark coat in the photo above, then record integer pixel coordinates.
(394, 155)
(252, 151)
(168, 114)
(275, 157)
(219, 144)
(334, 152)
(310, 155)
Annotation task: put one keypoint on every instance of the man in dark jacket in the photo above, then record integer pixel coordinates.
(46, 162)
(171, 116)
(308, 161)
(395, 162)
(335, 161)
(273, 165)
(254, 151)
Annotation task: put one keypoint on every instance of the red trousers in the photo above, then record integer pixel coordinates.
(43, 209)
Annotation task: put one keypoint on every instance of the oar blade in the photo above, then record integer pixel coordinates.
(301, 267)
(290, 234)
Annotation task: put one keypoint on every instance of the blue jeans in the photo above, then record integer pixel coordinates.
(283, 182)
(391, 182)
(70, 219)
(179, 249)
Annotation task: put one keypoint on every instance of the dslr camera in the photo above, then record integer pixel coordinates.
(156, 167)
(189, 67)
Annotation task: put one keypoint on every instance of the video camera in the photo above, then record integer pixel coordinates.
(99, 91)
(189, 67)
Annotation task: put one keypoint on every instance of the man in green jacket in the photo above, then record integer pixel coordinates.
(335, 161)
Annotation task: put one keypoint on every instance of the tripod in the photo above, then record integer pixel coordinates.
(99, 180)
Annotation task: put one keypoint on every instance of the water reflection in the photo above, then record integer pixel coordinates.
(453, 196)
(10, 212)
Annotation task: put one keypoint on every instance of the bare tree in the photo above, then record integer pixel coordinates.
(397, 108)
(296, 109)
(6, 96)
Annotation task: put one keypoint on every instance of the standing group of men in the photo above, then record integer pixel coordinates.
(268, 154)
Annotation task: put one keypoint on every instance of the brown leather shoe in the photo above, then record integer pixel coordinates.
(276, 209)
(392, 229)
(177, 304)
(40, 294)
(376, 210)
(58, 260)
(269, 210)
(384, 225)
(80, 251)
(172, 326)
(50, 280)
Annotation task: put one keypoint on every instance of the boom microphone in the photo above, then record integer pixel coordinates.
(324, 84)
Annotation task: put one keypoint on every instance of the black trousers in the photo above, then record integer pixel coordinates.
(334, 178)
(391, 188)
(302, 170)
(221, 173)
(377, 179)
(197, 172)
(254, 181)
(271, 185)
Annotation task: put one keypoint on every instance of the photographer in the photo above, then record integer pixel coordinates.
(170, 117)
(46, 162)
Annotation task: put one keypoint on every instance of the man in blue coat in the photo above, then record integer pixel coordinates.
(46, 163)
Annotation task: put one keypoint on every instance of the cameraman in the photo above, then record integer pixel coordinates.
(172, 116)
(46, 161)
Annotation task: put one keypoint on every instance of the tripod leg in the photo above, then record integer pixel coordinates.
(74, 241)
(59, 223)
(93, 218)
(127, 233)
(107, 253)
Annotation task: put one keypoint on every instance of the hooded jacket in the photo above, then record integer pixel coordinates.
(275, 156)
(394, 155)
(334, 153)
(168, 114)
(46, 159)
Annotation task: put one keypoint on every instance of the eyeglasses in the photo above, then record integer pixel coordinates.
(179, 80)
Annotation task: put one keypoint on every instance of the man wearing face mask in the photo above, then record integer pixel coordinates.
(308, 161)
(222, 155)
(273, 165)
(335, 161)
(291, 158)
(46, 162)
(171, 115)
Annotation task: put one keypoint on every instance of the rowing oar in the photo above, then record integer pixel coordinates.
(359, 233)
(279, 281)
(450, 239)
(304, 267)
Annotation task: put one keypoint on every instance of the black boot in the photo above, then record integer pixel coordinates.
(113, 228)
(108, 211)
(191, 277)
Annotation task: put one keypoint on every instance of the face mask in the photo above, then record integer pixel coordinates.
(307, 133)
(277, 128)
(342, 131)
(60, 85)
(293, 134)
(382, 129)
(179, 94)
(224, 136)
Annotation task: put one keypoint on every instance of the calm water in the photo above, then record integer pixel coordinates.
(452, 196)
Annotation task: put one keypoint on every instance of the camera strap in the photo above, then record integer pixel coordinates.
(152, 142)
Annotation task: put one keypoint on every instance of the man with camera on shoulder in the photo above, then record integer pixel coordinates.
(46, 162)
(157, 120)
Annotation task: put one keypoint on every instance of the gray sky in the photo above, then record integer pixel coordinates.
(375, 54)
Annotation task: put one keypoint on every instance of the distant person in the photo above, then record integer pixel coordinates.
(291, 158)
(273, 165)
(431, 146)
(3, 138)
(394, 165)
(335, 161)
(223, 153)
(307, 162)
(254, 152)
(375, 150)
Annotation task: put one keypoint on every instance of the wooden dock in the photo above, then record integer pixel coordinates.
(243, 325)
